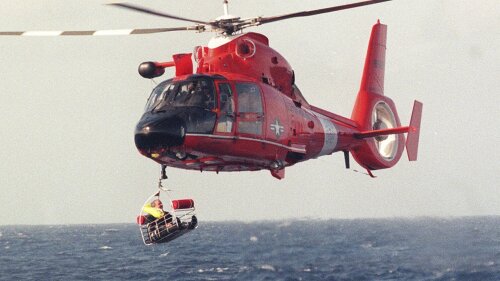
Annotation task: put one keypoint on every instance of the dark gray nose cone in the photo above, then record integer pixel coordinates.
(166, 132)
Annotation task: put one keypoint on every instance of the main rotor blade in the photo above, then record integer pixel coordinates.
(100, 32)
(156, 13)
(264, 20)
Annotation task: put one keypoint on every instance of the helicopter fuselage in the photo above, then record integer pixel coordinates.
(241, 111)
(244, 125)
(253, 118)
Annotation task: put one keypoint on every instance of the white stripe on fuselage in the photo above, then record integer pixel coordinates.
(330, 133)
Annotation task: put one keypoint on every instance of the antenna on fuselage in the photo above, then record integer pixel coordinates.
(226, 7)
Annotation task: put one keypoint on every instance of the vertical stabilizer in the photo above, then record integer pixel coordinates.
(373, 72)
(414, 132)
(371, 89)
(374, 111)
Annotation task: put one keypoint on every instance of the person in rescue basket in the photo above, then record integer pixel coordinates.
(155, 211)
(158, 219)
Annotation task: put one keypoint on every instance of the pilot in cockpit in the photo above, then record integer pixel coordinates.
(207, 98)
(201, 97)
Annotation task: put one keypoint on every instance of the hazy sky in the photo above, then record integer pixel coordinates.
(69, 107)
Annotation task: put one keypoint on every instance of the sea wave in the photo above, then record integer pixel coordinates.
(422, 249)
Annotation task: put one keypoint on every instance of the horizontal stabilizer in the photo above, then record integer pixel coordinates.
(414, 132)
(382, 132)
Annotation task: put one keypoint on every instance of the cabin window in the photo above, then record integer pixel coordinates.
(250, 111)
(226, 105)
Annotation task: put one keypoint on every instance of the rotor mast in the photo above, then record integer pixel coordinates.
(226, 7)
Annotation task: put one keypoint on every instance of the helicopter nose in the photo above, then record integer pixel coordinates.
(163, 133)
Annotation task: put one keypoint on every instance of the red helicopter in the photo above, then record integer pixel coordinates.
(237, 108)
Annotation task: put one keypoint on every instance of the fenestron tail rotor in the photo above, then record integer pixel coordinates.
(383, 118)
(225, 24)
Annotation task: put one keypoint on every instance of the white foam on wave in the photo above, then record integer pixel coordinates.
(268, 267)
(244, 269)
(21, 235)
(254, 238)
(213, 269)
(105, 248)
(436, 274)
(164, 254)
(219, 269)
(367, 245)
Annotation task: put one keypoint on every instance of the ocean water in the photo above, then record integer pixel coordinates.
(381, 249)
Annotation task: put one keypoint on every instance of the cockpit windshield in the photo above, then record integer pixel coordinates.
(195, 93)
